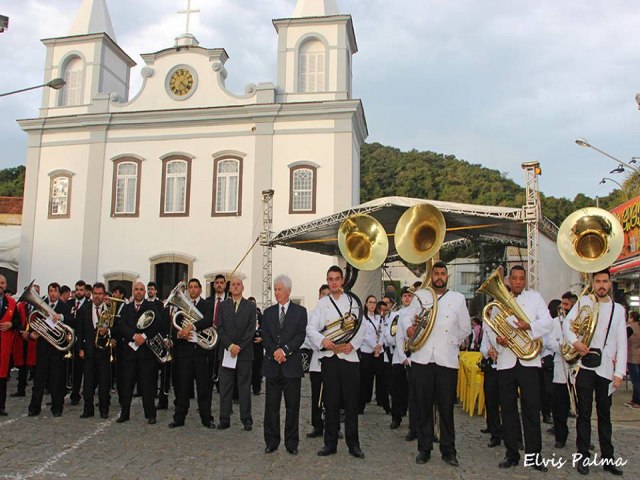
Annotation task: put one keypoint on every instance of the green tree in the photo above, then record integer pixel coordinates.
(12, 182)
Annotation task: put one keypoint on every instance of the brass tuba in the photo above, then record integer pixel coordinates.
(106, 320)
(419, 235)
(519, 341)
(158, 345)
(589, 240)
(206, 338)
(60, 336)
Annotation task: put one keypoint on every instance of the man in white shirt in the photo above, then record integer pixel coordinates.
(399, 363)
(315, 378)
(609, 348)
(514, 374)
(434, 366)
(340, 366)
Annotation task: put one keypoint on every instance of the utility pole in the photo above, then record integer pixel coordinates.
(265, 241)
(532, 212)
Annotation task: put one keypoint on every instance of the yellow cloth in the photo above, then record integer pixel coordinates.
(470, 382)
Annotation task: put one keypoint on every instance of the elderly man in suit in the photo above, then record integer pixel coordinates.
(284, 328)
(236, 329)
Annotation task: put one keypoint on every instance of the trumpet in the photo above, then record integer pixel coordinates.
(60, 336)
(106, 320)
(157, 344)
(206, 338)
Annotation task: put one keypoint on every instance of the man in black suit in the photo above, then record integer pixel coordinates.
(236, 329)
(192, 361)
(138, 361)
(283, 331)
(50, 368)
(164, 369)
(78, 306)
(97, 368)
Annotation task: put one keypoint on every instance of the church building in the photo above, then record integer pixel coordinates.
(169, 183)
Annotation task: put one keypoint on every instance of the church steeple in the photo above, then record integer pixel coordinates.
(316, 8)
(93, 17)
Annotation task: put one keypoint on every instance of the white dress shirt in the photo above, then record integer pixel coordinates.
(554, 341)
(452, 326)
(614, 353)
(324, 314)
(369, 327)
(536, 310)
(485, 344)
(404, 322)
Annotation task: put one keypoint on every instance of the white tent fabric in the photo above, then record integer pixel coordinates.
(9, 247)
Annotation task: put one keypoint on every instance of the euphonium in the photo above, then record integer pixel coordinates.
(519, 341)
(419, 235)
(106, 320)
(206, 338)
(157, 344)
(60, 336)
(589, 240)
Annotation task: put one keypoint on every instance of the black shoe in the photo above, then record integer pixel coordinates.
(551, 430)
(316, 432)
(176, 424)
(270, 449)
(423, 457)
(223, 426)
(86, 414)
(583, 468)
(450, 459)
(57, 414)
(325, 451)
(394, 424)
(410, 436)
(592, 446)
(494, 442)
(356, 452)
(122, 418)
(546, 418)
(33, 413)
(294, 451)
(520, 445)
(340, 435)
(209, 425)
(612, 469)
(75, 402)
(508, 463)
(560, 444)
(485, 430)
(3, 412)
(248, 428)
(152, 421)
(540, 468)
(104, 415)
(162, 406)
(17, 394)
(256, 392)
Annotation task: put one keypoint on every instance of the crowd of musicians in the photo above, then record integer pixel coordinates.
(415, 383)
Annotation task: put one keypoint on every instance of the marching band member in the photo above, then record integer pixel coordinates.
(382, 360)
(340, 367)
(215, 300)
(77, 306)
(236, 331)
(138, 361)
(50, 365)
(283, 332)
(371, 325)
(514, 373)
(164, 369)
(9, 325)
(315, 378)
(191, 361)
(491, 388)
(97, 366)
(399, 383)
(24, 348)
(601, 369)
(434, 367)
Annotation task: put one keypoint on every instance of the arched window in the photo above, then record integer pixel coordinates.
(311, 67)
(73, 76)
(302, 191)
(227, 190)
(60, 195)
(176, 186)
(125, 199)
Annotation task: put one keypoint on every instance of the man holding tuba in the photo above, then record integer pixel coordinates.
(514, 372)
(601, 369)
(434, 360)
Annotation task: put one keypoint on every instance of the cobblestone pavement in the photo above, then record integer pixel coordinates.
(44, 447)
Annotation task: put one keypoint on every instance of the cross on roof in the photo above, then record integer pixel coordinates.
(188, 11)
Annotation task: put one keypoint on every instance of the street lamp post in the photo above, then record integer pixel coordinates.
(605, 179)
(56, 84)
(583, 143)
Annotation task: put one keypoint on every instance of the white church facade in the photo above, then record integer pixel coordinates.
(168, 183)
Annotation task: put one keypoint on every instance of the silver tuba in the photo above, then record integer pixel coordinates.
(206, 338)
(60, 336)
(157, 344)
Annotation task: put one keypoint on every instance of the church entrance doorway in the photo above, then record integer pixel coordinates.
(167, 275)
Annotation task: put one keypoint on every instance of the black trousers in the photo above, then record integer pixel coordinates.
(277, 387)
(561, 406)
(366, 379)
(341, 380)
(546, 388)
(3, 393)
(227, 380)
(316, 410)
(97, 373)
(399, 392)
(413, 415)
(256, 375)
(50, 371)
(528, 379)
(435, 385)
(589, 383)
(144, 371)
(382, 373)
(190, 366)
(76, 376)
(492, 403)
(23, 375)
(164, 373)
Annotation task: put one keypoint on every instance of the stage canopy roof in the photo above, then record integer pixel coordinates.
(464, 223)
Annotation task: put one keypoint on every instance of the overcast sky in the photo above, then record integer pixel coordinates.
(493, 82)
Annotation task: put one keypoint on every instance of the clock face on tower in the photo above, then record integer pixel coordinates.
(181, 82)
